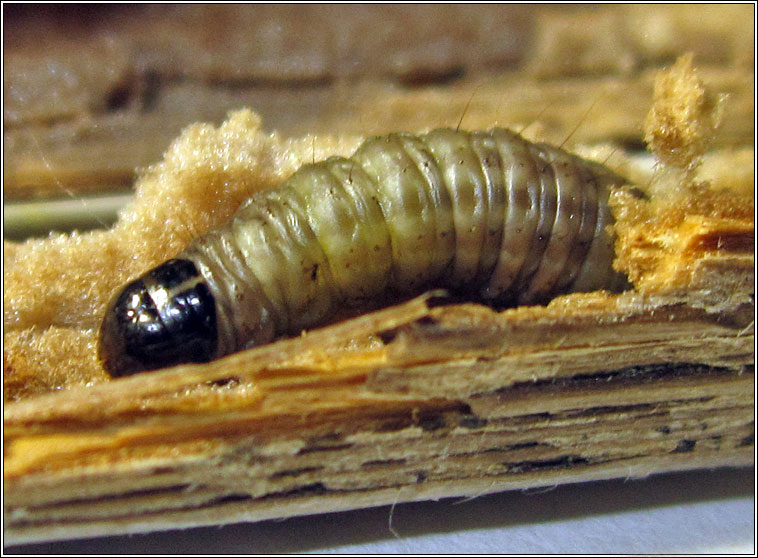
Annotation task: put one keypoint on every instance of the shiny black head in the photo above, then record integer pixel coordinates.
(165, 317)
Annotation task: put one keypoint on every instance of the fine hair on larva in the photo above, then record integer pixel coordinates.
(487, 215)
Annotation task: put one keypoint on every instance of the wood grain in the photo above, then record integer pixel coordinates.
(436, 401)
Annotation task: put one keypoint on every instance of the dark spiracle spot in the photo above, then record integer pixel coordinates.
(684, 446)
(119, 97)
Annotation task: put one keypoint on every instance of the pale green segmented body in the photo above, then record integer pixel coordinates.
(487, 213)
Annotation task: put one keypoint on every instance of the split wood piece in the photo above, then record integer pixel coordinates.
(458, 401)
(629, 423)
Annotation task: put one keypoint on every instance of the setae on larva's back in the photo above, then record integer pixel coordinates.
(486, 214)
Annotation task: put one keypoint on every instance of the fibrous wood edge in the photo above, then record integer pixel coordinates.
(457, 401)
(701, 420)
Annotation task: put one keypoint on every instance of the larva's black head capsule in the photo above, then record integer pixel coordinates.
(165, 317)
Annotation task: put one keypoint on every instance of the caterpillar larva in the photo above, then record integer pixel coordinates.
(486, 214)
